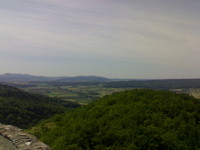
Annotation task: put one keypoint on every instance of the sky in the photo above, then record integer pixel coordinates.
(138, 39)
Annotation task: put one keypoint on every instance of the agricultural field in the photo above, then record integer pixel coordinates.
(82, 94)
(85, 92)
(195, 92)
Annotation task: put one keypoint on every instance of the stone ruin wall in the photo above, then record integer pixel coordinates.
(20, 139)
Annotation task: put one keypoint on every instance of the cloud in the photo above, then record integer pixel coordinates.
(143, 34)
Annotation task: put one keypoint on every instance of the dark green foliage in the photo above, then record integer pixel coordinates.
(57, 84)
(156, 84)
(131, 120)
(23, 109)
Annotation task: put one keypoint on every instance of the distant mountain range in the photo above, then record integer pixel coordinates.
(84, 79)
(18, 78)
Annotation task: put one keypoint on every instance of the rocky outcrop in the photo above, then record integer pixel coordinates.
(20, 139)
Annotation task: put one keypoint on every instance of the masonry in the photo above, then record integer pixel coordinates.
(20, 139)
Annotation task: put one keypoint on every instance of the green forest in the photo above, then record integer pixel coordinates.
(24, 109)
(140, 119)
(163, 84)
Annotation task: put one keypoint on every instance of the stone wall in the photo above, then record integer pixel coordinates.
(20, 139)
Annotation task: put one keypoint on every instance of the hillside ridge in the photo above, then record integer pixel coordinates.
(24, 109)
(136, 119)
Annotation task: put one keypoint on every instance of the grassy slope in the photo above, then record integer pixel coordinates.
(137, 119)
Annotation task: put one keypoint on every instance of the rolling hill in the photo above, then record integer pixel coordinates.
(23, 109)
(132, 120)
(10, 78)
(20, 78)
(162, 84)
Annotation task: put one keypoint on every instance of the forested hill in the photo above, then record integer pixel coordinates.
(23, 109)
(156, 84)
(131, 120)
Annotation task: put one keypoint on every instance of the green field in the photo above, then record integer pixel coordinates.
(85, 92)
(82, 94)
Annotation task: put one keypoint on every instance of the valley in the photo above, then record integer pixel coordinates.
(84, 94)
(79, 93)
(23, 109)
(85, 89)
(96, 115)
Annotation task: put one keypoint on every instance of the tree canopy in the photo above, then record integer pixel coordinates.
(132, 120)
(23, 109)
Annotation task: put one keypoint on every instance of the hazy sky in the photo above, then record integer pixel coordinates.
(111, 38)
